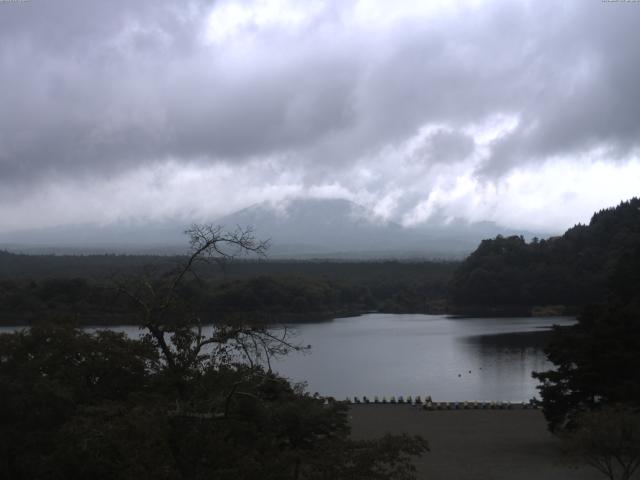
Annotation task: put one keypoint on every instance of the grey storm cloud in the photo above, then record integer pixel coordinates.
(587, 75)
(446, 147)
(95, 89)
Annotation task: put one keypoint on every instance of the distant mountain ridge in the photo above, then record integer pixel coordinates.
(341, 228)
(298, 228)
(318, 226)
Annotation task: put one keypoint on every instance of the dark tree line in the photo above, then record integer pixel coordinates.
(273, 298)
(597, 361)
(100, 268)
(571, 270)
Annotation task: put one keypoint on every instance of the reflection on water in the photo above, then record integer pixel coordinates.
(449, 359)
(507, 359)
(387, 354)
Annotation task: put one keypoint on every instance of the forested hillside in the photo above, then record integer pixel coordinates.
(571, 270)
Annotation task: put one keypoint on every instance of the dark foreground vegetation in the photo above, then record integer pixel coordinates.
(74, 405)
(598, 360)
(592, 396)
(178, 403)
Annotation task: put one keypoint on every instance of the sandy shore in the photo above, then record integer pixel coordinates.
(474, 444)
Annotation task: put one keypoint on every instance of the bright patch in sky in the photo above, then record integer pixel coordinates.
(521, 112)
(229, 19)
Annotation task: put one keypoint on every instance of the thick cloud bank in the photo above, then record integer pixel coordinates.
(522, 112)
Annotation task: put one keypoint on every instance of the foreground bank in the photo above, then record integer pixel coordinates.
(474, 444)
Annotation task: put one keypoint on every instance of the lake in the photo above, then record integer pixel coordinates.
(450, 359)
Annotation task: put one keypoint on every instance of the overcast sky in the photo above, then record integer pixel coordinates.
(526, 113)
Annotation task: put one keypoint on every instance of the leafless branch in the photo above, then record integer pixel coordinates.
(186, 342)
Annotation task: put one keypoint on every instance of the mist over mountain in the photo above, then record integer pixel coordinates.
(298, 228)
(340, 228)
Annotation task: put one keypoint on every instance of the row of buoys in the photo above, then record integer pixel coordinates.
(429, 404)
(480, 405)
(391, 400)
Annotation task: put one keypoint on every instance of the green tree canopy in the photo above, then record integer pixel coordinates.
(572, 269)
(597, 360)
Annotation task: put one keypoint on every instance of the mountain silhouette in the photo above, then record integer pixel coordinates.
(340, 228)
(298, 228)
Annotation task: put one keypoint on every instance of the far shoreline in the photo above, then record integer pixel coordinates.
(99, 320)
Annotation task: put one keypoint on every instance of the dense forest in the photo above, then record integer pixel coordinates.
(572, 270)
(595, 379)
(86, 287)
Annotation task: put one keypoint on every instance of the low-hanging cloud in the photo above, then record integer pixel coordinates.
(410, 109)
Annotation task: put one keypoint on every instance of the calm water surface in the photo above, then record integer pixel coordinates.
(397, 354)
(449, 359)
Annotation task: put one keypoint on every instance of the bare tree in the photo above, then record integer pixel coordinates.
(179, 333)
